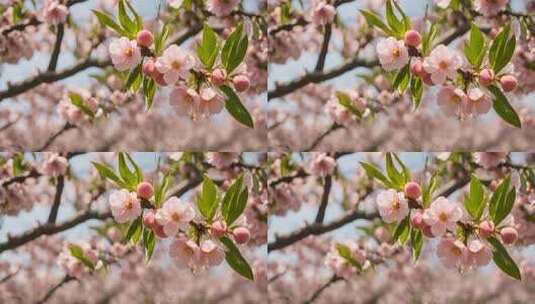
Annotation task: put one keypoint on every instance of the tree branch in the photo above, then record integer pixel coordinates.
(57, 48)
(52, 290)
(49, 229)
(318, 140)
(320, 216)
(324, 48)
(57, 200)
(52, 138)
(318, 292)
(289, 178)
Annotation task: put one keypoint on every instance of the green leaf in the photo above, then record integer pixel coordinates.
(416, 90)
(160, 40)
(406, 20)
(138, 19)
(137, 169)
(127, 176)
(498, 46)
(428, 189)
(402, 79)
(77, 252)
(149, 90)
(108, 173)
(129, 25)
(149, 242)
(134, 79)
(208, 48)
(161, 190)
(234, 201)
(107, 21)
(135, 230)
(236, 108)
(234, 49)
(503, 260)
(402, 230)
(417, 242)
(374, 172)
(505, 55)
(475, 202)
(503, 108)
(393, 174)
(207, 202)
(393, 21)
(345, 252)
(235, 260)
(474, 49)
(498, 199)
(375, 21)
(345, 101)
(429, 38)
(79, 102)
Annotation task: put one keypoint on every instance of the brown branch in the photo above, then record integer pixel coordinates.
(57, 48)
(288, 178)
(318, 140)
(57, 200)
(318, 292)
(54, 136)
(52, 290)
(324, 48)
(50, 229)
(320, 216)
(21, 178)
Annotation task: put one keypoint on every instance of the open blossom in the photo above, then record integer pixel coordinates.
(322, 165)
(442, 63)
(442, 215)
(221, 160)
(490, 7)
(478, 102)
(478, 254)
(443, 3)
(55, 165)
(125, 54)
(125, 206)
(174, 63)
(221, 7)
(185, 252)
(489, 160)
(211, 254)
(392, 53)
(210, 102)
(185, 101)
(452, 253)
(174, 215)
(392, 205)
(453, 101)
(342, 267)
(54, 12)
(323, 13)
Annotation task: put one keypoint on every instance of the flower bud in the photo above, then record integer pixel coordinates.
(508, 82)
(241, 83)
(219, 228)
(241, 235)
(413, 190)
(144, 38)
(509, 235)
(417, 68)
(486, 229)
(426, 230)
(486, 77)
(158, 230)
(145, 190)
(149, 68)
(413, 38)
(218, 77)
(417, 220)
(426, 78)
(149, 219)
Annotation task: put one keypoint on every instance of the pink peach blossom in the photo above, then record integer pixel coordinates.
(453, 101)
(174, 215)
(55, 165)
(54, 12)
(211, 254)
(490, 7)
(452, 253)
(478, 102)
(442, 63)
(221, 7)
(489, 160)
(185, 252)
(125, 54)
(478, 254)
(442, 216)
(185, 101)
(210, 102)
(221, 160)
(322, 165)
(125, 206)
(175, 63)
(392, 205)
(392, 53)
(323, 13)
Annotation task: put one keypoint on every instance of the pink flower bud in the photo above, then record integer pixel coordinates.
(148, 67)
(509, 235)
(241, 83)
(426, 78)
(145, 190)
(218, 77)
(417, 220)
(219, 228)
(158, 230)
(145, 38)
(241, 235)
(417, 68)
(486, 77)
(413, 190)
(426, 230)
(508, 82)
(158, 77)
(149, 219)
(413, 38)
(486, 229)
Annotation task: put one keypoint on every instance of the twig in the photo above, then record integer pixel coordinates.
(318, 140)
(57, 200)
(57, 48)
(320, 216)
(318, 292)
(52, 290)
(324, 48)
(52, 138)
